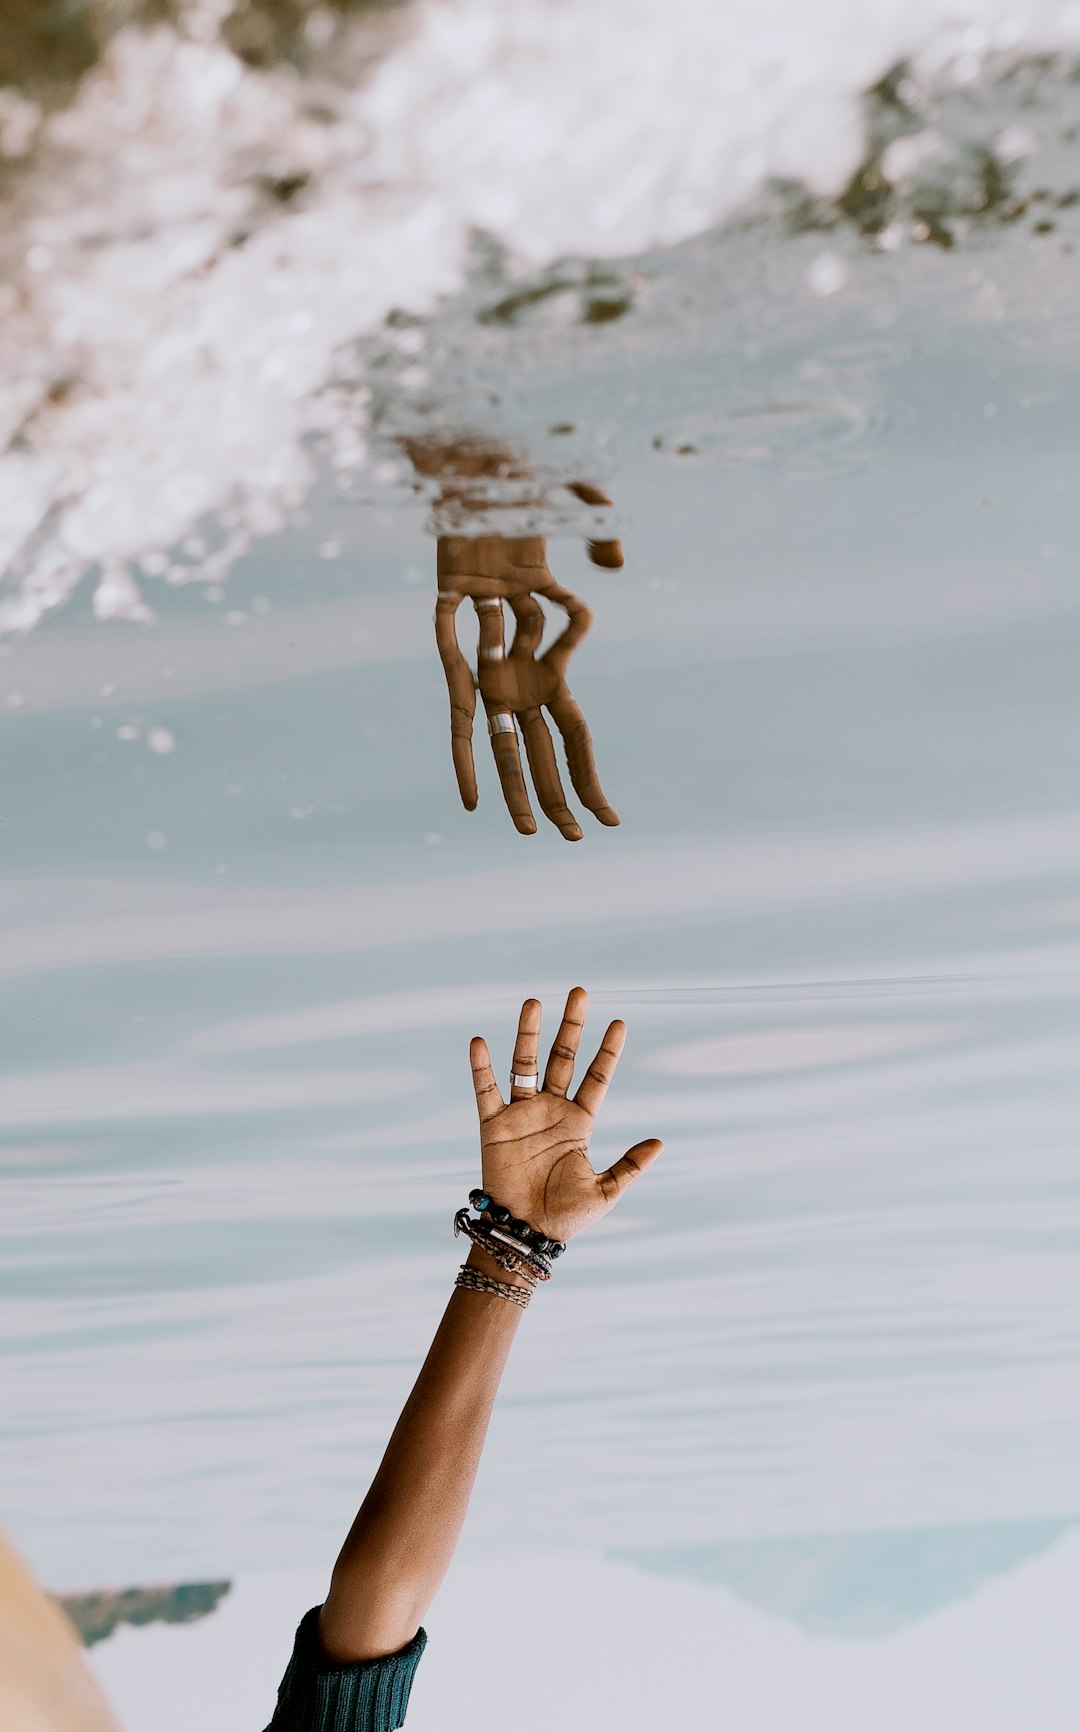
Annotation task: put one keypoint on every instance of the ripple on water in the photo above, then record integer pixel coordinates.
(805, 437)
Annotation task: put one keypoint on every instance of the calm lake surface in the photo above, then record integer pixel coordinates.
(825, 1356)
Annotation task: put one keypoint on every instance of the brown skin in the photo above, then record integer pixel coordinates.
(520, 683)
(493, 569)
(534, 1159)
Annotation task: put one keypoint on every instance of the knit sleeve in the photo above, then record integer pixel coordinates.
(369, 1696)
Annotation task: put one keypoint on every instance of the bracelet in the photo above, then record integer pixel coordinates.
(509, 1255)
(526, 1235)
(478, 1282)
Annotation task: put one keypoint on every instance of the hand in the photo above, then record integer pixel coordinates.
(518, 686)
(535, 1150)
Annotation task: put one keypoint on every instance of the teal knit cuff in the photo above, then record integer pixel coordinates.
(367, 1696)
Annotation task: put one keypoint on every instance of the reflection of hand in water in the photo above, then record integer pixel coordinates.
(516, 685)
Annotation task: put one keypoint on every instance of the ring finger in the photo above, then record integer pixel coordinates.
(523, 1072)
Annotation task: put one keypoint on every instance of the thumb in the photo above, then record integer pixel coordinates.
(629, 1167)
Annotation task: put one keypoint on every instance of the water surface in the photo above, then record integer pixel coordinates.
(824, 1357)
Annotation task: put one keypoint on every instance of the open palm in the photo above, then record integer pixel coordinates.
(535, 1148)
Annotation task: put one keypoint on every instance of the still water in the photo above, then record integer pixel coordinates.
(821, 1364)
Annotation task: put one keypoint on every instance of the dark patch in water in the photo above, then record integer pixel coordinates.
(597, 308)
(97, 1615)
(602, 309)
(284, 187)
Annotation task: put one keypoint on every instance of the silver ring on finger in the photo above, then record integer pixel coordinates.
(502, 722)
(529, 1082)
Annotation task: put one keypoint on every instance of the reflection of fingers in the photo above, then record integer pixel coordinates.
(523, 1074)
(530, 625)
(488, 1099)
(594, 1084)
(629, 1167)
(545, 775)
(504, 745)
(459, 682)
(579, 757)
(578, 625)
(492, 630)
(560, 1065)
(588, 493)
(606, 553)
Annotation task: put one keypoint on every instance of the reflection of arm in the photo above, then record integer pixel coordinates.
(464, 463)
(400, 1545)
(45, 1685)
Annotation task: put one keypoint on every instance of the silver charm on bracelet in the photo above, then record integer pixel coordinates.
(531, 1260)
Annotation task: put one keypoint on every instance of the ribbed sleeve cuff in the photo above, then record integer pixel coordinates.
(369, 1696)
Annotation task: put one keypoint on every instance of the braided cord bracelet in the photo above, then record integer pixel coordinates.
(478, 1282)
(511, 1243)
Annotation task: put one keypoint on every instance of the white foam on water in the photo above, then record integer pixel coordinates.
(169, 325)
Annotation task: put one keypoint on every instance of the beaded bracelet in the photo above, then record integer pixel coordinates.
(478, 1282)
(520, 1230)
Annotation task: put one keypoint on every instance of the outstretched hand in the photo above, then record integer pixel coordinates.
(535, 1148)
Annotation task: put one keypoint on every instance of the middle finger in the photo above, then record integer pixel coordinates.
(560, 1065)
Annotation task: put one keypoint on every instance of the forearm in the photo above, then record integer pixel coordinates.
(535, 1161)
(401, 1543)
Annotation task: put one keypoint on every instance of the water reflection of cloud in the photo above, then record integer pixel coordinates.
(388, 1013)
(785, 1049)
(182, 657)
(170, 1090)
(132, 921)
(692, 1656)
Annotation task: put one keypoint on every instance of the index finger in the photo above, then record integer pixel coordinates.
(488, 1099)
(577, 740)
